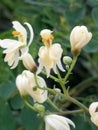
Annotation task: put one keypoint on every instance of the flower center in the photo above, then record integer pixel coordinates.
(16, 33)
(47, 40)
(19, 35)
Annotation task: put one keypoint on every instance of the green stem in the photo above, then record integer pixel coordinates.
(83, 85)
(29, 105)
(44, 88)
(53, 105)
(71, 67)
(69, 112)
(67, 97)
(73, 100)
(51, 76)
(61, 82)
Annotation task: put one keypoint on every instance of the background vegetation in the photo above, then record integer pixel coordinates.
(60, 16)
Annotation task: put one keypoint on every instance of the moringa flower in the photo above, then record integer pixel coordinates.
(26, 85)
(56, 122)
(49, 55)
(16, 48)
(94, 113)
(79, 37)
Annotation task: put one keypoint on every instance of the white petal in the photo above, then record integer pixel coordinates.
(40, 95)
(55, 69)
(22, 83)
(47, 71)
(57, 122)
(24, 50)
(18, 27)
(55, 51)
(70, 122)
(9, 58)
(16, 60)
(45, 33)
(40, 67)
(94, 118)
(60, 66)
(31, 33)
(93, 107)
(13, 48)
(8, 43)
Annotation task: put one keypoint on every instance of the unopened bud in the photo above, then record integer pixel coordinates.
(67, 60)
(79, 37)
(57, 90)
(29, 62)
(39, 108)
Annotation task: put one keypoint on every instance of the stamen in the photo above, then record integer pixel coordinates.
(48, 40)
(16, 33)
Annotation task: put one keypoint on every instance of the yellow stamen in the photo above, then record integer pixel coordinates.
(16, 33)
(48, 40)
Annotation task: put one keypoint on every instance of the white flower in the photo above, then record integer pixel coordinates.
(26, 85)
(16, 48)
(56, 122)
(94, 114)
(49, 55)
(79, 37)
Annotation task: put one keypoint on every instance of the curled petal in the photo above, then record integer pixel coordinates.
(31, 33)
(60, 66)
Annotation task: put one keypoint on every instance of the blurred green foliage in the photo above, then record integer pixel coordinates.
(60, 16)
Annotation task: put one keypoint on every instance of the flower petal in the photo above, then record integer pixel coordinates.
(93, 107)
(31, 33)
(16, 60)
(18, 27)
(8, 43)
(56, 122)
(40, 67)
(94, 118)
(60, 66)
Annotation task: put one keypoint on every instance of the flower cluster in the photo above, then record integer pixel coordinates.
(29, 83)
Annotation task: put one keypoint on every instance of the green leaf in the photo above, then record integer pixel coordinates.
(17, 102)
(92, 3)
(30, 120)
(74, 14)
(6, 34)
(95, 15)
(92, 46)
(83, 123)
(6, 119)
(7, 89)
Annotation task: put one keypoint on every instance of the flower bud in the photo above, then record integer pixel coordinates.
(29, 63)
(39, 108)
(79, 37)
(57, 90)
(67, 60)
